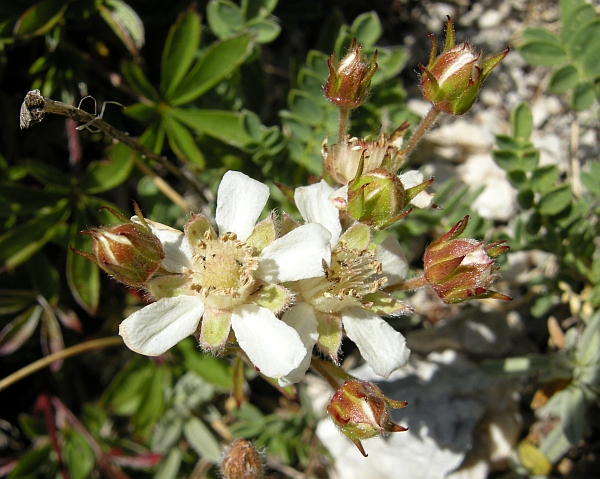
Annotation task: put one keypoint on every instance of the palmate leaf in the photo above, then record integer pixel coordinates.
(218, 61)
(107, 174)
(182, 142)
(180, 48)
(135, 77)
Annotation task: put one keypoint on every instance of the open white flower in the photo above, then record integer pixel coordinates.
(350, 293)
(216, 283)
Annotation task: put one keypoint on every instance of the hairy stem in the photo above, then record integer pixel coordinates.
(426, 123)
(408, 285)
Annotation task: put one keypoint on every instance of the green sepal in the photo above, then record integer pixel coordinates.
(196, 227)
(274, 297)
(167, 286)
(385, 305)
(330, 334)
(358, 237)
(263, 234)
(215, 328)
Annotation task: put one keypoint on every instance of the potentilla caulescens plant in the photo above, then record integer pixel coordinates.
(275, 290)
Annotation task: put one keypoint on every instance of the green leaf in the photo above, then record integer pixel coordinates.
(137, 80)
(521, 122)
(124, 393)
(572, 22)
(182, 142)
(367, 29)
(508, 160)
(24, 200)
(218, 61)
(573, 413)
(224, 18)
(20, 243)
(214, 370)
(44, 277)
(141, 111)
(535, 33)
(169, 466)
(83, 276)
(19, 330)
(544, 177)
(543, 53)
(78, 455)
(227, 126)
(49, 175)
(529, 158)
(265, 30)
(31, 463)
(40, 18)
(555, 200)
(201, 440)
(588, 352)
(180, 49)
(583, 96)
(517, 178)
(585, 46)
(591, 182)
(390, 61)
(107, 174)
(154, 137)
(525, 198)
(563, 79)
(567, 7)
(152, 402)
(305, 106)
(125, 22)
(258, 8)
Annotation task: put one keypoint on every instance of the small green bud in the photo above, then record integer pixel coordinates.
(452, 80)
(129, 252)
(462, 269)
(349, 83)
(361, 411)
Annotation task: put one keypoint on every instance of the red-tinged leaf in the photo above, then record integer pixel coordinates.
(15, 333)
(140, 461)
(40, 18)
(69, 319)
(51, 337)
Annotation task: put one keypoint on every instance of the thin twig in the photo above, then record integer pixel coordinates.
(35, 106)
(65, 353)
(423, 127)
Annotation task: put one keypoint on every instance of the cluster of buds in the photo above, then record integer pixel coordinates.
(361, 411)
(460, 269)
(129, 251)
(452, 80)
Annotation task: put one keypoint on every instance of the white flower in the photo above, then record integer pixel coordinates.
(221, 282)
(350, 294)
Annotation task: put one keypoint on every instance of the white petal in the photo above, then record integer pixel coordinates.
(297, 255)
(273, 347)
(240, 201)
(302, 318)
(394, 265)
(315, 207)
(178, 253)
(159, 326)
(380, 345)
(413, 178)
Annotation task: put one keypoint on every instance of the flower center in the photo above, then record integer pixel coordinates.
(222, 270)
(352, 275)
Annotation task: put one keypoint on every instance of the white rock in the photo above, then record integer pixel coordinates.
(463, 133)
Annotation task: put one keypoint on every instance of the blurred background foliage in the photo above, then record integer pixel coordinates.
(221, 85)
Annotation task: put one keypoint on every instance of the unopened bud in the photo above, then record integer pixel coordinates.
(349, 83)
(462, 269)
(361, 411)
(452, 80)
(242, 461)
(129, 252)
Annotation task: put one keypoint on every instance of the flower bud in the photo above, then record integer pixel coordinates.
(361, 411)
(242, 461)
(377, 198)
(462, 269)
(349, 84)
(451, 82)
(129, 252)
